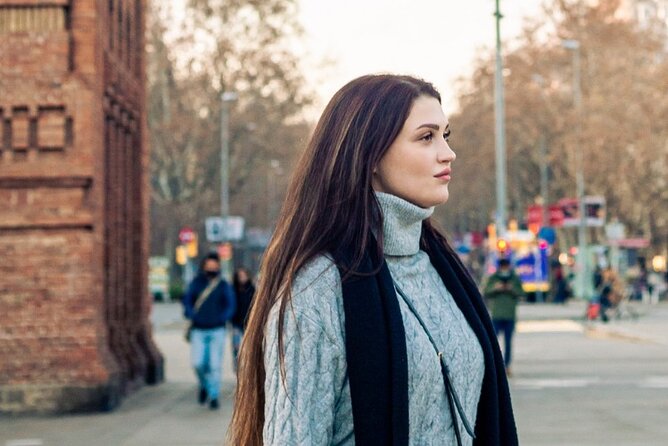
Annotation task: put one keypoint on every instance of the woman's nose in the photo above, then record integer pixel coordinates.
(446, 154)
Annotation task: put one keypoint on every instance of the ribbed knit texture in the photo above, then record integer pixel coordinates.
(313, 406)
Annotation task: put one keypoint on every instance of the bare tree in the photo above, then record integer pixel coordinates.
(221, 46)
(624, 127)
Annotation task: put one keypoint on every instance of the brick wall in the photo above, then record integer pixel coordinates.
(74, 330)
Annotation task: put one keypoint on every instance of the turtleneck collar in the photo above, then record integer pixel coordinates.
(402, 224)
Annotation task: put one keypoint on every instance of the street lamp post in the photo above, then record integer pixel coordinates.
(540, 81)
(500, 131)
(225, 99)
(582, 272)
(273, 172)
(543, 181)
(543, 171)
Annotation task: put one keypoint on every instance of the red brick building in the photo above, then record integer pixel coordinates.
(74, 305)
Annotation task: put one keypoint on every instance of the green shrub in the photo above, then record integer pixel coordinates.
(176, 291)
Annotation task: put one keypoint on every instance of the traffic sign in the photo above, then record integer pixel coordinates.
(214, 229)
(548, 234)
(220, 229)
(615, 231)
(186, 235)
(570, 211)
(534, 214)
(594, 207)
(555, 215)
(594, 210)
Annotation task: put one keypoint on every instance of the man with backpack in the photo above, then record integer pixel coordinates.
(208, 303)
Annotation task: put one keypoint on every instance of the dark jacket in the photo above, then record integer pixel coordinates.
(216, 310)
(244, 299)
(503, 302)
(604, 292)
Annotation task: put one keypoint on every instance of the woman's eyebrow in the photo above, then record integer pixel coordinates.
(429, 126)
(433, 126)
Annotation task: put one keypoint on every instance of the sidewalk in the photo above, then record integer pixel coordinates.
(651, 325)
(164, 415)
(167, 414)
(572, 310)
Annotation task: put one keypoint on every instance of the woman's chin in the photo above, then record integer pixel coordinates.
(435, 199)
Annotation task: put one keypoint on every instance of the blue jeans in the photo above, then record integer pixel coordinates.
(507, 326)
(206, 357)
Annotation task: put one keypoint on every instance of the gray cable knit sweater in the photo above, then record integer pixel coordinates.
(313, 406)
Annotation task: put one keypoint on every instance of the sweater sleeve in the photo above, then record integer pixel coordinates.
(300, 407)
(488, 290)
(518, 290)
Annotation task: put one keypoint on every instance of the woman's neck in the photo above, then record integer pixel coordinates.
(402, 224)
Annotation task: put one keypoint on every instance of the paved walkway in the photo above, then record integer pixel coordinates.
(167, 414)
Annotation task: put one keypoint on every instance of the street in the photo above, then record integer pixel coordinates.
(600, 387)
(573, 384)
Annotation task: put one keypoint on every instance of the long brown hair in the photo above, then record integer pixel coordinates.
(330, 203)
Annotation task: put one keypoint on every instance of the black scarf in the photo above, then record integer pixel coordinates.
(376, 351)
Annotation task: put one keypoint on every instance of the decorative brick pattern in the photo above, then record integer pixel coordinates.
(53, 128)
(20, 129)
(26, 18)
(48, 129)
(74, 304)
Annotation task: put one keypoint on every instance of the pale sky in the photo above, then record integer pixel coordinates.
(433, 39)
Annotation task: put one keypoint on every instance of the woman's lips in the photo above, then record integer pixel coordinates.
(443, 175)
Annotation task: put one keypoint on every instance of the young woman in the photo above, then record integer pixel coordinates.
(366, 328)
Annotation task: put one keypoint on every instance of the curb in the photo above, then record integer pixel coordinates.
(600, 332)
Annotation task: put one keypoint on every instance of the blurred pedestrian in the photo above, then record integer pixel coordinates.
(608, 293)
(598, 276)
(244, 291)
(561, 290)
(503, 291)
(366, 328)
(209, 303)
(640, 283)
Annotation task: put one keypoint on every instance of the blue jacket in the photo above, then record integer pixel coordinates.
(216, 310)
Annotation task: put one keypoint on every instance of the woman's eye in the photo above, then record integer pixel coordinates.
(446, 135)
(428, 137)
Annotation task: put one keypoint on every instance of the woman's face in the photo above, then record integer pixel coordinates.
(242, 276)
(417, 166)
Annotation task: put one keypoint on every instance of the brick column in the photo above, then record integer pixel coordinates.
(74, 303)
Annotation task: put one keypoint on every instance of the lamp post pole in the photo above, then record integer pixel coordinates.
(543, 180)
(225, 99)
(273, 172)
(500, 132)
(542, 147)
(582, 272)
